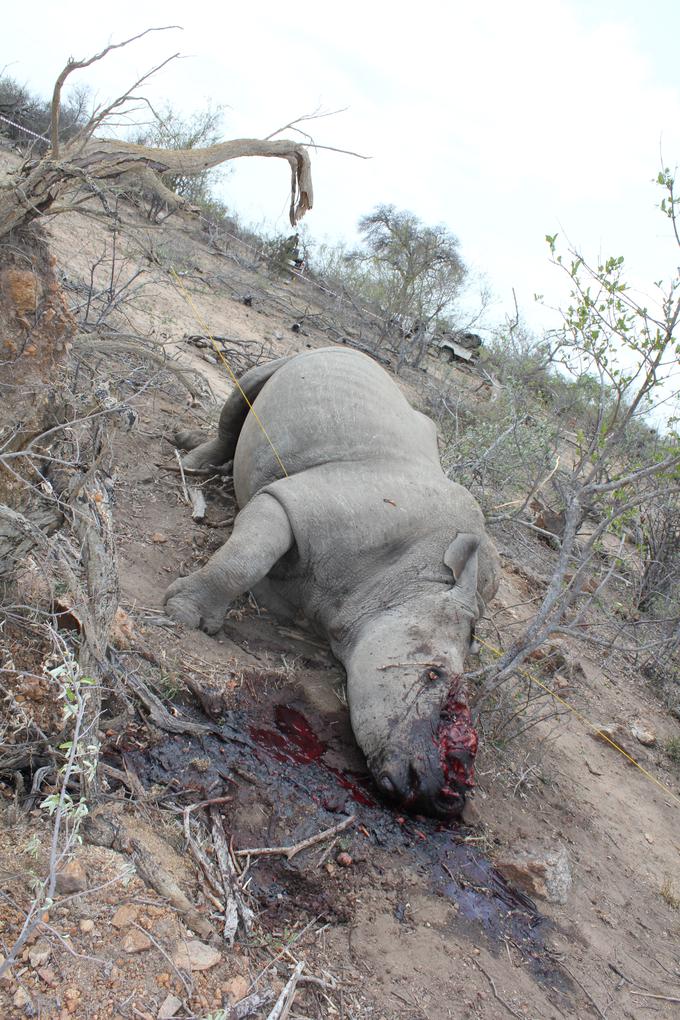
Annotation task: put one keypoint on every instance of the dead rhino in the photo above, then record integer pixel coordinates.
(346, 515)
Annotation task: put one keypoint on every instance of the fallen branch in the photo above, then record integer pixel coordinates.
(198, 504)
(285, 1000)
(251, 1004)
(184, 481)
(235, 908)
(106, 829)
(651, 995)
(291, 851)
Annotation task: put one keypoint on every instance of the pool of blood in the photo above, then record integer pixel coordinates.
(294, 740)
(271, 755)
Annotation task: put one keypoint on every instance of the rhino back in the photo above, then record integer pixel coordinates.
(329, 406)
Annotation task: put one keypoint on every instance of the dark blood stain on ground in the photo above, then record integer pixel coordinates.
(294, 740)
(270, 758)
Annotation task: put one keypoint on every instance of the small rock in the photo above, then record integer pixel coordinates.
(86, 926)
(547, 875)
(125, 916)
(649, 837)
(169, 1007)
(47, 975)
(21, 998)
(159, 538)
(236, 989)
(561, 682)
(122, 631)
(40, 953)
(612, 734)
(344, 860)
(195, 955)
(136, 941)
(643, 733)
(72, 879)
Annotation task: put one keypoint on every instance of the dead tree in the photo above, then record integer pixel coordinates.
(69, 174)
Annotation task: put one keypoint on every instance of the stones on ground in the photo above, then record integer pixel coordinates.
(235, 989)
(40, 953)
(136, 941)
(86, 926)
(643, 733)
(614, 734)
(195, 955)
(21, 998)
(125, 916)
(546, 874)
(169, 1008)
(344, 860)
(158, 538)
(72, 879)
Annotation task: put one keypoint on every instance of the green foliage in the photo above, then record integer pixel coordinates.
(672, 749)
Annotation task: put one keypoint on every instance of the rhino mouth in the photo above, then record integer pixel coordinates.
(457, 743)
(432, 773)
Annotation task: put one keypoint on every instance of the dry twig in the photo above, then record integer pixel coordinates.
(285, 1000)
(296, 848)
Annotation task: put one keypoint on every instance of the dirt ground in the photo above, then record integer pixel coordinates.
(394, 917)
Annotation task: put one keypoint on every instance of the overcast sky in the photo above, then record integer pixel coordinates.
(504, 121)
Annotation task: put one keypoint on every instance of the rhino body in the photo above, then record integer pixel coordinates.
(346, 516)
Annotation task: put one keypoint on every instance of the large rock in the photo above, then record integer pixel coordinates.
(72, 879)
(643, 733)
(546, 874)
(195, 955)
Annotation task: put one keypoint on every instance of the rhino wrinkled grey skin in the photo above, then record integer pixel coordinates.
(366, 536)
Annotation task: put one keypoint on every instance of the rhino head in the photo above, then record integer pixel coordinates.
(407, 704)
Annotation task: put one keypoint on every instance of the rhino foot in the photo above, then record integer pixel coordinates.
(187, 604)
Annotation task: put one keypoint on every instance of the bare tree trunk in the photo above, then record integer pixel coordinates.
(99, 164)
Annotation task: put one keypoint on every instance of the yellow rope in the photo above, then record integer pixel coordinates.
(583, 719)
(187, 297)
(494, 651)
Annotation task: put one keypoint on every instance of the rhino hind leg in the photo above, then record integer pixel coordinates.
(262, 535)
(209, 454)
(214, 452)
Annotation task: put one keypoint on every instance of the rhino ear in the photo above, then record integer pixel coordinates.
(461, 558)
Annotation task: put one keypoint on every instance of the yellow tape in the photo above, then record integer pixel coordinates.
(583, 719)
(189, 301)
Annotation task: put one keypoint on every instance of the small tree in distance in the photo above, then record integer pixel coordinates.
(411, 271)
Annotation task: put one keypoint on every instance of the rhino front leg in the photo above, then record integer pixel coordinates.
(261, 536)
